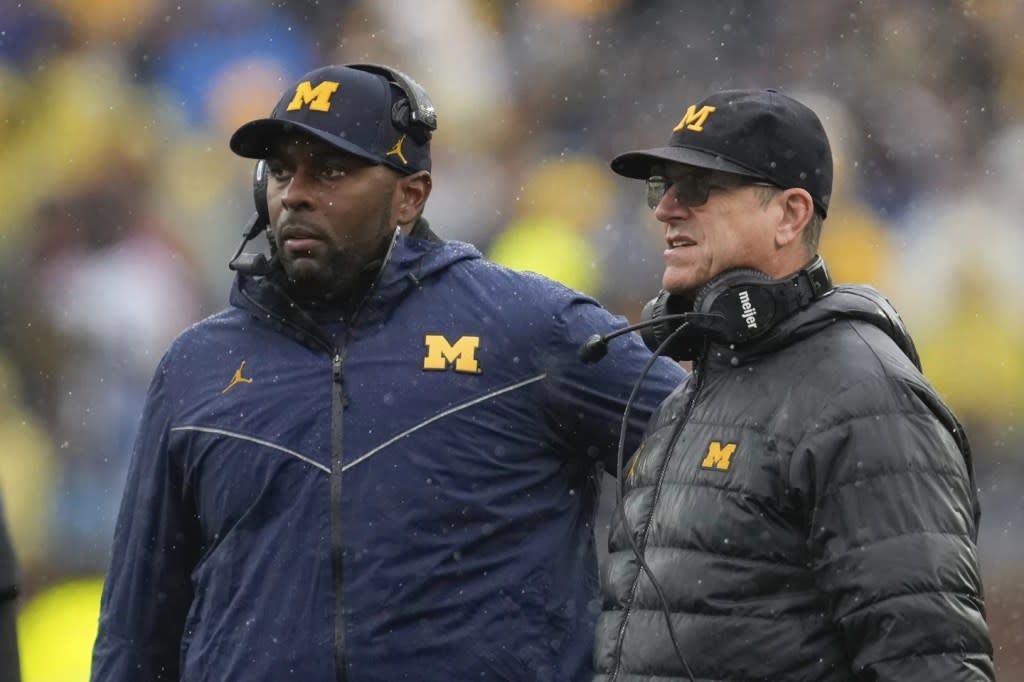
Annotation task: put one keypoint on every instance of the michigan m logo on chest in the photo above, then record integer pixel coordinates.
(461, 355)
(719, 456)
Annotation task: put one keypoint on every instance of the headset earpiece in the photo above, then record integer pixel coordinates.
(735, 307)
(710, 292)
(662, 307)
(741, 299)
(259, 197)
(400, 114)
(415, 113)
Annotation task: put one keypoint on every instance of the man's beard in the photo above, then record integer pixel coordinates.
(330, 281)
(342, 275)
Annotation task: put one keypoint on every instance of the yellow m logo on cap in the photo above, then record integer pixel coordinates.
(317, 99)
(693, 119)
(719, 456)
(462, 353)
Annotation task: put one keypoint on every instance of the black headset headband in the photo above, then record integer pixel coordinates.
(418, 117)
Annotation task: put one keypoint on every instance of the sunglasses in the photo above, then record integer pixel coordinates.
(693, 187)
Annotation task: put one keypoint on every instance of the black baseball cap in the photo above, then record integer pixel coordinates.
(351, 109)
(758, 133)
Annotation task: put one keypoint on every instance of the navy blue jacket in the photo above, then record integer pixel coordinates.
(409, 496)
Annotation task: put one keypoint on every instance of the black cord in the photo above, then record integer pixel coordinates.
(621, 508)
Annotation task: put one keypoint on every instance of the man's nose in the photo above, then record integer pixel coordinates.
(299, 192)
(669, 207)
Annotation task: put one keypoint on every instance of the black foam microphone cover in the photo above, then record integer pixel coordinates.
(251, 264)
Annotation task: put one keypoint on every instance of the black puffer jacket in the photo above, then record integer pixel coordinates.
(807, 505)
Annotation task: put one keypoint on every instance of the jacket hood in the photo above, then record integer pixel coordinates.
(409, 261)
(844, 302)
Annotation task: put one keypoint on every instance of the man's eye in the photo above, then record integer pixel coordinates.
(276, 171)
(334, 172)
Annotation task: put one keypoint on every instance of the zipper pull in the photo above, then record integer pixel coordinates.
(336, 367)
(337, 377)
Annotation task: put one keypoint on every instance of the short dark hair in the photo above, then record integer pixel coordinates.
(812, 233)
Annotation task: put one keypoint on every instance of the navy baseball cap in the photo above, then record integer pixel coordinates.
(758, 133)
(350, 108)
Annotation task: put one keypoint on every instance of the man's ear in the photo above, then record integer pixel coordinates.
(797, 211)
(410, 197)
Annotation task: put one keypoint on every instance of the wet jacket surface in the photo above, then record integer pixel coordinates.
(406, 495)
(807, 505)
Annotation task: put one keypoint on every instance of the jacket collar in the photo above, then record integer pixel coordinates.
(845, 302)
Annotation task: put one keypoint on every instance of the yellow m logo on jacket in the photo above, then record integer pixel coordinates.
(719, 456)
(317, 99)
(461, 354)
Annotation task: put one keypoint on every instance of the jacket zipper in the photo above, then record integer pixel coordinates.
(647, 524)
(338, 403)
(337, 546)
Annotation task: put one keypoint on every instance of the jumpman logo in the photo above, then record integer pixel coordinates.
(237, 378)
(397, 150)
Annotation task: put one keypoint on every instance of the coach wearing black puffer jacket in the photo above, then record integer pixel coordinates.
(804, 503)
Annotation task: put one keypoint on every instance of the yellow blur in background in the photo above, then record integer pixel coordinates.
(56, 631)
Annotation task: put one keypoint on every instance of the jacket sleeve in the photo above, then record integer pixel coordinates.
(587, 402)
(892, 536)
(147, 592)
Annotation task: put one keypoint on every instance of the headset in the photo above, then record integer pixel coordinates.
(413, 113)
(735, 307)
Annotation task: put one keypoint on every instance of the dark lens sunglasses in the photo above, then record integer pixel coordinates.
(692, 188)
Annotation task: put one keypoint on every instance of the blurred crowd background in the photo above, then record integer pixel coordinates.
(121, 205)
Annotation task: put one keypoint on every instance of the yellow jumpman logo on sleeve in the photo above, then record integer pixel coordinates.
(237, 378)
